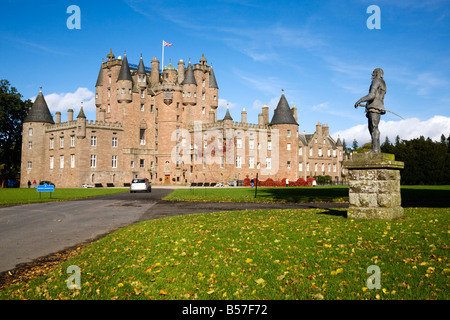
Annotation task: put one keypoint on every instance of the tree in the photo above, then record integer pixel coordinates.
(12, 112)
(354, 145)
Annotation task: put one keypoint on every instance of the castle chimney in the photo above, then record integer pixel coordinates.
(243, 115)
(58, 117)
(325, 130)
(154, 72)
(265, 112)
(70, 115)
(180, 71)
(294, 112)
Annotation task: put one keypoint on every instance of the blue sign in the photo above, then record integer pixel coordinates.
(45, 188)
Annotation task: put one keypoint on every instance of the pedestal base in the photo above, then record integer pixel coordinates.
(374, 186)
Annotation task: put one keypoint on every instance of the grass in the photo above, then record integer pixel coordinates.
(415, 194)
(25, 195)
(264, 254)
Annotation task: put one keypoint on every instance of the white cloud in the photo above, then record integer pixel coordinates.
(70, 100)
(406, 129)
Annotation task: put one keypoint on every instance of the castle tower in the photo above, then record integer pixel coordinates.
(81, 124)
(214, 89)
(180, 71)
(141, 74)
(98, 88)
(189, 86)
(33, 141)
(284, 150)
(125, 82)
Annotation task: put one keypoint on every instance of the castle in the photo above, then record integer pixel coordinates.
(162, 125)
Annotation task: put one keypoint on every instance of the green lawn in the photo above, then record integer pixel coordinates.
(264, 254)
(301, 194)
(10, 196)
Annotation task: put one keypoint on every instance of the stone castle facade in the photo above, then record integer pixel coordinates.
(163, 125)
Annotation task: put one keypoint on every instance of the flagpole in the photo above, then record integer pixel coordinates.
(162, 67)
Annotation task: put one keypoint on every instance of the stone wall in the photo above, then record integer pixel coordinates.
(374, 186)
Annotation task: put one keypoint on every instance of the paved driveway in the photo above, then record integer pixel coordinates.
(28, 232)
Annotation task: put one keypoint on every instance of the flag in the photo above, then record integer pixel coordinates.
(166, 44)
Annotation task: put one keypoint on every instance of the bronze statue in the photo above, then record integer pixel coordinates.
(374, 106)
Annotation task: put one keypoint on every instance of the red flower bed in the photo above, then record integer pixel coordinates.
(270, 183)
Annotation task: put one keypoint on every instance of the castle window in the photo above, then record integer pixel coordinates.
(114, 161)
(203, 110)
(178, 118)
(288, 133)
(141, 163)
(238, 162)
(334, 153)
(109, 108)
(203, 96)
(329, 152)
(109, 79)
(93, 161)
(142, 136)
(300, 151)
(61, 142)
(129, 91)
(289, 146)
(29, 165)
(203, 83)
(51, 162)
(288, 164)
(72, 141)
(251, 162)
(30, 144)
(221, 161)
(61, 162)
(307, 166)
(215, 98)
(269, 163)
(93, 141)
(52, 143)
(269, 145)
(142, 107)
(310, 151)
(72, 161)
(151, 108)
(132, 164)
(109, 93)
(251, 144)
(142, 93)
(323, 167)
(329, 167)
(139, 78)
(334, 167)
(320, 152)
(123, 90)
(189, 94)
(300, 166)
(114, 142)
(30, 132)
(239, 143)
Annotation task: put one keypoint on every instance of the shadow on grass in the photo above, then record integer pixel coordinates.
(334, 212)
(305, 194)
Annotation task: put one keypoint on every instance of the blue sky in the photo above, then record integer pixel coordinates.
(320, 52)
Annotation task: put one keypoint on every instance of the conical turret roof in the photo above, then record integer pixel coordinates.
(39, 112)
(189, 75)
(227, 115)
(81, 113)
(99, 78)
(124, 73)
(283, 113)
(141, 67)
(212, 79)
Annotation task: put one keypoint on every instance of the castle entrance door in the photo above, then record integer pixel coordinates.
(167, 179)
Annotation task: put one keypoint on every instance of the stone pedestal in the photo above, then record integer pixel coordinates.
(374, 186)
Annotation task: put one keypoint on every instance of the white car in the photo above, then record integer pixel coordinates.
(140, 184)
(86, 186)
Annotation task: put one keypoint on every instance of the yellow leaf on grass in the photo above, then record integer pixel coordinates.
(260, 281)
(249, 260)
(163, 292)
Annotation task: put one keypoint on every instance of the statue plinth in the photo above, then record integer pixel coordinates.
(374, 186)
